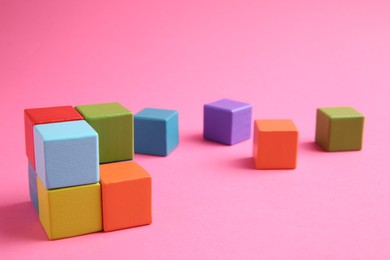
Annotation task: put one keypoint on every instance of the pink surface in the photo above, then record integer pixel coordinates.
(286, 58)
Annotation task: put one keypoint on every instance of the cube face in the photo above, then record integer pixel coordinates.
(275, 144)
(66, 154)
(156, 131)
(227, 121)
(217, 125)
(126, 195)
(70, 211)
(33, 188)
(241, 129)
(114, 125)
(36, 116)
(339, 129)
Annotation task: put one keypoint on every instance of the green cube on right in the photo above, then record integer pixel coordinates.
(339, 129)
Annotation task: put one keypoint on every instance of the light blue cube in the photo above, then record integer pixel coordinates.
(32, 184)
(156, 131)
(66, 154)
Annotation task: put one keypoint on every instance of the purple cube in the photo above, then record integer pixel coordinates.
(227, 121)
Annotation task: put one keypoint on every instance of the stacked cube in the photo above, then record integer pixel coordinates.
(80, 170)
(40, 116)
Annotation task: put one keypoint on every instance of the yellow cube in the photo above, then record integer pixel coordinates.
(70, 211)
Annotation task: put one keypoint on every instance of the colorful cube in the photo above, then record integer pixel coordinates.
(227, 121)
(32, 183)
(66, 154)
(275, 144)
(339, 129)
(114, 124)
(71, 211)
(156, 131)
(36, 116)
(126, 195)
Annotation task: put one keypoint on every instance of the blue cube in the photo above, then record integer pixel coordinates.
(156, 131)
(66, 154)
(227, 121)
(32, 184)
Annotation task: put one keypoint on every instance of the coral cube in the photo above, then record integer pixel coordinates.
(32, 183)
(71, 211)
(227, 121)
(36, 116)
(339, 129)
(126, 195)
(156, 131)
(114, 124)
(66, 154)
(275, 144)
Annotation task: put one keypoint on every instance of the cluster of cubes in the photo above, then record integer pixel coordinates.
(82, 176)
(275, 142)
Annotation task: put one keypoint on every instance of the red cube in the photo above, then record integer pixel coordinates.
(36, 116)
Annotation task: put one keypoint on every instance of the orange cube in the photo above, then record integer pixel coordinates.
(275, 144)
(126, 195)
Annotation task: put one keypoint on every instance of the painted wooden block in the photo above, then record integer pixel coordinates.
(227, 121)
(32, 184)
(126, 195)
(66, 154)
(275, 144)
(156, 131)
(71, 211)
(339, 129)
(114, 124)
(36, 116)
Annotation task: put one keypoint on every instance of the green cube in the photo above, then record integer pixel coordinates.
(339, 129)
(115, 127)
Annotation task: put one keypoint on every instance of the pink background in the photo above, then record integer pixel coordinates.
(285, 57)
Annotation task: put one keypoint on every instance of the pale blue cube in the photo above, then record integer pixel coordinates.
(66, 154)
(156, 131)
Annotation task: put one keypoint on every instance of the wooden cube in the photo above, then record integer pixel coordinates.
(275, 144)
(37, 116)
(156, 131)
(71, 211)
(32, 184)
(126, 195)
(339, 129)
(66, 154)
(227, 121)
(114, 124)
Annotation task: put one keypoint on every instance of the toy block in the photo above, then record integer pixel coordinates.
(227, 121)
(32, 183)
(339, 129)
(275, 144)
(71, 211)
(114, 124)
(126, 195)
(156, 131)
(66, 154)
(36, 116)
